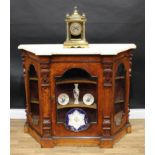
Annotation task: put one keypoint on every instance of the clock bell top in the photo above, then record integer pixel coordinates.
(75, 16)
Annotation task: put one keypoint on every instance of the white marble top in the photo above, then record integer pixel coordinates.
(93, 49)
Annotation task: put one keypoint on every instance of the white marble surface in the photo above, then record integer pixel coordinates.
(93, 49)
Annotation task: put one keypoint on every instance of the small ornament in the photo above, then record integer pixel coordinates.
(75, 30)
(88, 99)
(63, 99)
(76, 120)
(76, 93)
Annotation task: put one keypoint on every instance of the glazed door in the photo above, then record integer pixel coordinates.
(75, 104)
(121, 95)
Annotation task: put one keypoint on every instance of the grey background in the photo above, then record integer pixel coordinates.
(109, 21)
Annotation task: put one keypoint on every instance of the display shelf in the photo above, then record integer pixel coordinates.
(78, 80)
(80, 105)
(35, 101)
(119, 77)
(119, 101)
(33, 78)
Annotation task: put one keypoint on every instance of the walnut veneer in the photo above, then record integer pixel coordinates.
(112, 85)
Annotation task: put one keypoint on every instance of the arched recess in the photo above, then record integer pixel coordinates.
(86, 84)
(76, 72)
(34, 95)
(119, 95)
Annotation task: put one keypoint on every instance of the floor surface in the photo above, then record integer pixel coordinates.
(24, 144)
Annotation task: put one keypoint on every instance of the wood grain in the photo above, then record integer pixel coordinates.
(24, 144)
(42, 87)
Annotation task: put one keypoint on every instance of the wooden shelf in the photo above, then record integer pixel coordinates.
(80, 105)
(119, 77)
(67, 81)
(34, 101)
(33, 78)
(119, 101)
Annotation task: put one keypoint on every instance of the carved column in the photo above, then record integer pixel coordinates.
(107, 84)
(23, 55)
(130, 55)
(45, 98)
(106, 140)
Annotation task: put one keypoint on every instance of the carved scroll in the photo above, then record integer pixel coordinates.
(107, 73)
(45, 74)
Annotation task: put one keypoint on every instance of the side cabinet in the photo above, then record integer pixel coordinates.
(105, 78)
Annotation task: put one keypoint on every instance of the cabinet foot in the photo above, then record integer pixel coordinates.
(47, 143)
(106, 143)
(128, 128)
(26, 129)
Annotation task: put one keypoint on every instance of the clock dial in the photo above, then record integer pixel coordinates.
(75, 29)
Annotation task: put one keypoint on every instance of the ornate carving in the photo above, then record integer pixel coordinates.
(23, 55)
(130, 62)
(45, 74)
(130, 66)
(107, 73)
(23, 61)
(46, 126)
(106, 126)
(45, 83)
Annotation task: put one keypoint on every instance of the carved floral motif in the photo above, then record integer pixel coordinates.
(106, 126)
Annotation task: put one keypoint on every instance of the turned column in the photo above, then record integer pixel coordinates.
(25, 74)
(129, 69)
(107, 102)
(45, 97)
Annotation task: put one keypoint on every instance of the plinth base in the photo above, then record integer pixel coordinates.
(102, 142)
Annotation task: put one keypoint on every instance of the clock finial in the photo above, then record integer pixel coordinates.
(75, 9)
(67, 14)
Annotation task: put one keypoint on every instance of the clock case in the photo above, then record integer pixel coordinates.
(78, 41)
(107, 77)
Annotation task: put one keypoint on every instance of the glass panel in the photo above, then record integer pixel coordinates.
(76, 89)
(34, 96)
(119, 105)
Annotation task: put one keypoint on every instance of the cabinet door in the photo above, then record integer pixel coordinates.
(74, 90)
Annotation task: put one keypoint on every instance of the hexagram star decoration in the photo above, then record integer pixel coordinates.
(76, 119)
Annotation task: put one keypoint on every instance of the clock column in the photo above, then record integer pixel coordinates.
(67, 30)
(83, 32)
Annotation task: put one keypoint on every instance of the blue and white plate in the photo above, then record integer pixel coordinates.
(76, 120)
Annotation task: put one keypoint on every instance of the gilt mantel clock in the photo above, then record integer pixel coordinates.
(77, 96)
(75, 30)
